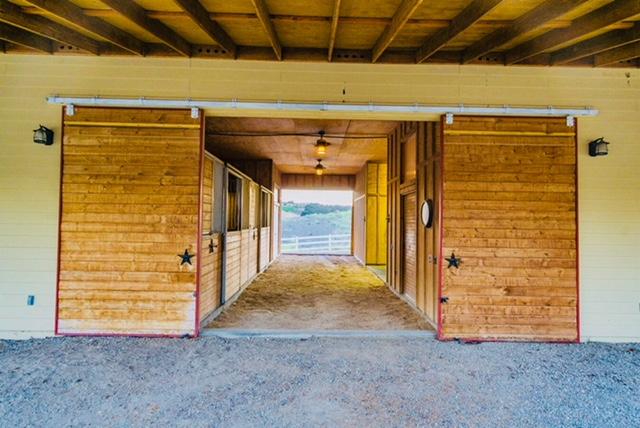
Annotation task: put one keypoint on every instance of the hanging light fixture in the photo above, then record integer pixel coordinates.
(321, 145)
(320, 168)
(598, 147)
(43, 135)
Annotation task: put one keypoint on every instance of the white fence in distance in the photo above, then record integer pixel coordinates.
(323, 244)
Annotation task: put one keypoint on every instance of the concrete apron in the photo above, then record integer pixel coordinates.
(237, 333)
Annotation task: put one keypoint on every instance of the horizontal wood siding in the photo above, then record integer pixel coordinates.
(409, 249)
(210, 274)
(232, 274)
(129, 208)
(510, 215)
(265, 233)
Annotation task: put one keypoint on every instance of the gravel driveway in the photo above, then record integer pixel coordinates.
(319, 381)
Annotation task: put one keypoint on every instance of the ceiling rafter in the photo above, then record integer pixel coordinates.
(596, 45)
(75, 16)
(138, 16)
(400, 17)
(201, 17)
(469, 16)
(13, 15)
(265, 20)
(334, 28)
(613, 56)
(539, 16)
(598, 19)
(24, 38)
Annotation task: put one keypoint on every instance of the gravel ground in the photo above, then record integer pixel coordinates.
(320, 381)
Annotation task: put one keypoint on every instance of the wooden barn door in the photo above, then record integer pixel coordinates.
(509, 216)
(130, 198)
(409, 235)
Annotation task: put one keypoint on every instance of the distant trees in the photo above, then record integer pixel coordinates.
(304, 209)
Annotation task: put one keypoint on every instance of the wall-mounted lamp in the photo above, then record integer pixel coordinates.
(598, 147)
(320, 168)
(321, 145)
(43, 135)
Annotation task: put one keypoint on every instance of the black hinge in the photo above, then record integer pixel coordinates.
(444, 300)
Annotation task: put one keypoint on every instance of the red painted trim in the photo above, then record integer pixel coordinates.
(196, 332)
(578, 318)
(59, 250)
(440, 334)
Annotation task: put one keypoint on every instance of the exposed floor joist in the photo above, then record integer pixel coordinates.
(623, 53)
(541, 15)
(265, 20)
(24, 38)
(400, 18)
(75, 16)
(138, 16)
(469, 16)
(200, 16)
(12, 14)
(607, 41)
(589, 23)
(334, 29)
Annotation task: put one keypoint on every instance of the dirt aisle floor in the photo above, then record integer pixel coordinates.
(319, 293)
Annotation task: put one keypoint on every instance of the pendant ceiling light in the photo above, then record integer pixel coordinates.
(321, 145)
(320, 168)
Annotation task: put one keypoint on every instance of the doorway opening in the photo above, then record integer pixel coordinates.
(316, 221)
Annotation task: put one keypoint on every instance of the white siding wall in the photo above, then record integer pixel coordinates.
(29, 174)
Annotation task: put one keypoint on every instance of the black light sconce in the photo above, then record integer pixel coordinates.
(598, 147)
(43, 135)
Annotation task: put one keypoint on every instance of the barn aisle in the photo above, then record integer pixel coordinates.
(319, 293)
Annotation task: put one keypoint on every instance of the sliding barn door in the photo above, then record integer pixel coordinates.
(130, 199)
(509, 218)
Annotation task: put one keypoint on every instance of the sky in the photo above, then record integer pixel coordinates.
(328, 197)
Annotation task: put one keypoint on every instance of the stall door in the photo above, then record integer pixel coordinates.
(409, 234)
(509, 229)
(129, 222)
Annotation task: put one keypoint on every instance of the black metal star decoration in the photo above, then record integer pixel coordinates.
(186, 257)
(453, 261)
(211, 247)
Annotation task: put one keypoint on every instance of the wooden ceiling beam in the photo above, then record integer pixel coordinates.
(469, 16)
(607, 41)
(613, 56)
(138, 16)
(537, 17)
(74, 15)
(201, 17)
(265, 19)
(13, 15)
(334, 28)
(400, 17)
(598, 19)
(25, 38)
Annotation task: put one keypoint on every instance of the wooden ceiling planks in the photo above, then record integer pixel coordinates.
(280, 140)
(527, 32)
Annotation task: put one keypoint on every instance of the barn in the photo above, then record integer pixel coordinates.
(490, 145)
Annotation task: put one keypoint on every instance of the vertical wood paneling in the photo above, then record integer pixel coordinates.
(409, 253)
(130, 195)
(264, 247)
(510, 215)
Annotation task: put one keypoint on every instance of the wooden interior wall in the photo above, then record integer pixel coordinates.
(254, 224)
(232, 263)
(358, 228)
(376, 216)
(129, 206)
(264, 247)
(510, 215)
(312, 181)
(413, 170)
(210, 247)
(260, 171)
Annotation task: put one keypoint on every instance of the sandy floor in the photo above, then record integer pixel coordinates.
(320, 293)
